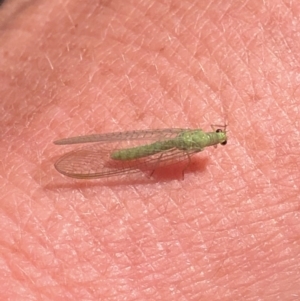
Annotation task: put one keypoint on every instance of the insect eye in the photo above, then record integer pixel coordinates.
(221, 131)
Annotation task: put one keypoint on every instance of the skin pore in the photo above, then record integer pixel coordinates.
(230, 229)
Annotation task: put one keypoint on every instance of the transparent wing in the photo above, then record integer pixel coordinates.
(94, 162)
(151, 135)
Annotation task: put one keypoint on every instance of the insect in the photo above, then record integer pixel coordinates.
(121, 153)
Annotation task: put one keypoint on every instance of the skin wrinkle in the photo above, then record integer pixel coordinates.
(153, 24)
(79, 255)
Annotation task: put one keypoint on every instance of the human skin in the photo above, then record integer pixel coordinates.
(230, 229)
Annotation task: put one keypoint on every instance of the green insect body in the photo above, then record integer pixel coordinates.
(188, 140)
(102, 158)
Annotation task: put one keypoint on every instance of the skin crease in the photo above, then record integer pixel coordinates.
(230, 230)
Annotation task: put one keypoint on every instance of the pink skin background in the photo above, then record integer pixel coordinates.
(230, 230)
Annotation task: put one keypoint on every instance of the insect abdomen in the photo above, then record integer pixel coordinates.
(142, 151)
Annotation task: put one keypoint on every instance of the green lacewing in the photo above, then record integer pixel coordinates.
(121, 153)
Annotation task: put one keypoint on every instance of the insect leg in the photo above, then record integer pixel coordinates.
(156, 164)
